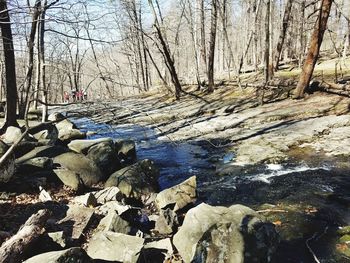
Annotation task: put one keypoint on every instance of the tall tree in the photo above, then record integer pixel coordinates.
(314, 48)
(267, 41)
(285, 23)
(211, 56)
(10, 67)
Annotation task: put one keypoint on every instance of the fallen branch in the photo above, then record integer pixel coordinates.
(272, 211)
(13, 249)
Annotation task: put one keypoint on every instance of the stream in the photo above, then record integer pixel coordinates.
(294, 185)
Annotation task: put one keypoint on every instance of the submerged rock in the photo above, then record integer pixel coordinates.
(71, 255)
(111, 246)
(136, 180)
(233, 234)
(180, 195)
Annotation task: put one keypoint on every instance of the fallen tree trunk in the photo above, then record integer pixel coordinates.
(13, 249)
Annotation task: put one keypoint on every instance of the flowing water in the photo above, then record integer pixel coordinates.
(321, 184)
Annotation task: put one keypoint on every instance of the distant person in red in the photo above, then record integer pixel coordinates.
(80, 95)
(65, 97)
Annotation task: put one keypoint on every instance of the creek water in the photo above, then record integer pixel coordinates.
(320, 184)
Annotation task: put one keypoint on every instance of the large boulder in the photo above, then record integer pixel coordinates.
(56, 116)
(7, 169)
(71, 255)
(115, 223)
(69, 178)
(87, 170)
(233, 234)
(42, 151)
(13, 134)
(126, 150)
(111, 246)
(104, 155)
(180, 195)
(67, 131)
(65, 125)
(83, 146)
(136, 180)
(48, 134)
(34, 165)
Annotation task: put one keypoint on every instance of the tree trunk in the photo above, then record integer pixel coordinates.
(286, 18)
(211, 55)
(203, 50)
(29, 74)
(12, 250)
(10, 66)
(267, 41)
(314, 49)
(42, 63)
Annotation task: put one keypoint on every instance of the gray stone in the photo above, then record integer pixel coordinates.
(87, 170)
(220, 234)
(56, 116)
(181, 195)
(65, 125)
(87, 200)
(58, 238)
(83, 146)
(42, 151)
(167, 222)
(12, 135)
(34, 165)
(115, 247)
(71, 255)
(44, 196)
(69, 178)
(76, 220)
(49, 134)
(136, 180)
(113, 222)
(67, 135)
(126, 150)
(105, 157)
(158, 251)
(7, 169)
(108, 194)
(114, 206)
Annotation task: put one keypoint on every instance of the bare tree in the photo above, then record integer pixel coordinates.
(211, 55)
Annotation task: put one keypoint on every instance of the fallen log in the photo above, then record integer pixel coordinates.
(13, 249)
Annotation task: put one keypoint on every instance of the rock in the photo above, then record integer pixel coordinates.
(115, 206)
(42, 151)
(71, 255)
(181, 195)
(65, 125)
(56, 116)
(105, 157)
(108, 194)
(234, 234)
(49, 134)
(113, 222)
(126, 150)
(111, 246)
(136, 180)
(34, 165)
(87, 200)
(76, 220)
(44, 196)
(167, 222)
(7, 169)
(87, 170)
(3, 236)
(157, 251)
(58, 238)
(12, 135)
(344, 230)
(67, 135)
(69, 178)
(25, 147)
(83, 146)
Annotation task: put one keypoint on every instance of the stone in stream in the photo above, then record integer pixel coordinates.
(7, 169)
(65, 125)
(126, 150)
(71, 255)
(56, 116)
(136, 180)
(180, 195)
(87, 170)
(104, 155)
(83, 146)
(233, 234)
(111, 246)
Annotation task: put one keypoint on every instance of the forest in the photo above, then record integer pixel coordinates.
(174, 131)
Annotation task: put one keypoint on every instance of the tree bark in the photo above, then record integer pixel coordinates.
(42, 62)
(314, 49)
(10, 67)
(267, 41)
(286, 18)
(211, 55)
(12, 250)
